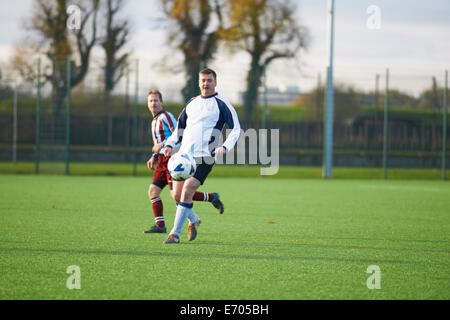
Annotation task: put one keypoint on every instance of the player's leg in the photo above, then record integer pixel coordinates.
(154, 193)
(177, 189)
(185, 207)
(189, 190)
(160, 180)
(185, 211)
(176, 192)
(213, 198)
(200, 175)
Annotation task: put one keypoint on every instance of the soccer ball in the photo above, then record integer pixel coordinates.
(181, 166)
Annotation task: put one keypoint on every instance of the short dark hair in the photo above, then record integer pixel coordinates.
(209, 71)
(154, 91)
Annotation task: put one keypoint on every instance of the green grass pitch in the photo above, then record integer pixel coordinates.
(278, 239)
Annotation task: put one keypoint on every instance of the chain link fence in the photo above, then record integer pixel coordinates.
(41, 125)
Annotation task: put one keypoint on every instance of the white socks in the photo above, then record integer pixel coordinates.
(184, 211)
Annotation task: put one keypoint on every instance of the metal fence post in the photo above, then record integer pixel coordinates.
(135, 122)
(38, 118)
(386, 123)
(444, 129)
(69, 85)
(16, 85)
(264, 112)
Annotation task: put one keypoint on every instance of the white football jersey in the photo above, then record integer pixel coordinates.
(200, 125)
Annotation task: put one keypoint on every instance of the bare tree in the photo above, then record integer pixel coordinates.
(56, 41)
(267, 30)
(116, 36)
(21, 63)
(196, 32)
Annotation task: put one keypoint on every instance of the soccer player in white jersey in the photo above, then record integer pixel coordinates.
(197, 129)
(162, 127)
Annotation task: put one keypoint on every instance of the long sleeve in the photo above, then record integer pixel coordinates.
(229, 115)
(177, 135)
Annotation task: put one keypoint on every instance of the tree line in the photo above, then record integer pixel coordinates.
(267, 30)
(349, 101)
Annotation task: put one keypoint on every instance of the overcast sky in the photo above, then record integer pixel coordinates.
(413, 41)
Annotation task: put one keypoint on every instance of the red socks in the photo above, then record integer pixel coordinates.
(157, 206)
(203, 196)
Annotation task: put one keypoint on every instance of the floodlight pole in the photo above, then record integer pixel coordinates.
(329, 99)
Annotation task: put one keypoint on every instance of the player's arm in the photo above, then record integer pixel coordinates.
(232, 121)
(154, 157)
(177, 135)
(152, 161)
(157, 147)
(170, 125)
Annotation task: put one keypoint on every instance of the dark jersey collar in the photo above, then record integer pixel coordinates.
(156, 115)
(215, 94)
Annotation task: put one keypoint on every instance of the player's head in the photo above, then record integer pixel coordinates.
(207, 82)
(154, 101)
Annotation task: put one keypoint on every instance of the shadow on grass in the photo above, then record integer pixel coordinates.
(198, 255)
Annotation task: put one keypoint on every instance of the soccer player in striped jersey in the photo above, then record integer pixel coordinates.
(162, 127)
(200, 121)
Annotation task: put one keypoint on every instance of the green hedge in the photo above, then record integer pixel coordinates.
(94, 106)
